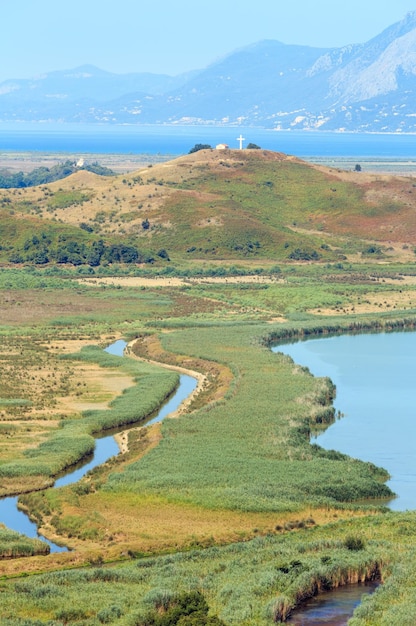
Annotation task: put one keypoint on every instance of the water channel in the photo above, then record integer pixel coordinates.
(105, 448)
(333, 608)
(374, 378)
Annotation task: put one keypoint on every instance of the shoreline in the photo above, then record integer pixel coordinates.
(120, 163)
(27, 161)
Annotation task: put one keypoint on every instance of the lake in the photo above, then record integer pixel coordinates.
(374, 376)
(177, 140)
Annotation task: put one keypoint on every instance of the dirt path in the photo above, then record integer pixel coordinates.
(122, 437)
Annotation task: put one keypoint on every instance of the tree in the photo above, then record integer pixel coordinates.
(200, 146)
(253, 146)
(357, 168)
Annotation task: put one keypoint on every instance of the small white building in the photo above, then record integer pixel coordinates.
(222, 146)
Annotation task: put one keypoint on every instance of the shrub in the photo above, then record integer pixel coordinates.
(354, 543)
(200, 146)
(109, 614)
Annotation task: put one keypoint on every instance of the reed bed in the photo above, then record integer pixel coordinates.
(14, 545)
(250, 452)
(254, 583)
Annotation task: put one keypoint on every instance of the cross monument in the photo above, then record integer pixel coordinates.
(241, 139)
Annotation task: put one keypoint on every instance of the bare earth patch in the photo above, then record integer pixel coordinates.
(137, 281)
(374, 302)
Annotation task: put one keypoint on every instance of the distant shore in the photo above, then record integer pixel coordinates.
(400, 166)
(124, 163)
(119, 163)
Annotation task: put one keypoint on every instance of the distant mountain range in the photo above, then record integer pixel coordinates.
(368, 87)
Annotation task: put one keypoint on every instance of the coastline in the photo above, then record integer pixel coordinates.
(120, 163)
(15, 161)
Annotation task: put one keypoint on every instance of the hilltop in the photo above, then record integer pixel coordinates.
(212, 205)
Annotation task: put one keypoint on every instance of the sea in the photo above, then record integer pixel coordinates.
(174, 140)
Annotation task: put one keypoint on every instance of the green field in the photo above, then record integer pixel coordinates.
(227, 514)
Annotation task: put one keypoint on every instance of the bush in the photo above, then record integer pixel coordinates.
(200, 146)
(354, 543)
(185, 609)
(304, 255)
(108, 615)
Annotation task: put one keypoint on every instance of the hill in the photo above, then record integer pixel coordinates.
(368, 87)
(249, 205)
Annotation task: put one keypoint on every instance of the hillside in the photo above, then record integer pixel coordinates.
(200, 265)
(211, 205)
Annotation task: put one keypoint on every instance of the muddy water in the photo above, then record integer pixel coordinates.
(105, 448)
(333, 608)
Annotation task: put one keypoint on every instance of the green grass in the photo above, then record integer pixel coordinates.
(14, 544)
(245, 453)
(65, 199)
(246, 584)
(74, 440)
(249, 452)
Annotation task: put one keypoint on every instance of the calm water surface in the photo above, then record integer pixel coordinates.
(105, 448)
(175, 140)
(375, 379)
(333, 608)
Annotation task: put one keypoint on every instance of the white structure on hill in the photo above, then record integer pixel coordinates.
(241, 139)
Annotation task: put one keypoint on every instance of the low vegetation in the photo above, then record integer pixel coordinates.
(14, 545)
(227, 515)
(45, 175)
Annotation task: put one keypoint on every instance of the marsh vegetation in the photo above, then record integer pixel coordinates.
(230, 502)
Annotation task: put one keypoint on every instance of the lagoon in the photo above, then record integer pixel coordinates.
(374, 375)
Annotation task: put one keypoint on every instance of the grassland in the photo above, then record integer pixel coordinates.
(230, 500)
(211, 207)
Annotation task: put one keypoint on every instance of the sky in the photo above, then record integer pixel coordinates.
(174, 36)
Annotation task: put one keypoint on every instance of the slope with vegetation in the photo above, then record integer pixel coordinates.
(227, 514)
(43, 175)
(210, 205)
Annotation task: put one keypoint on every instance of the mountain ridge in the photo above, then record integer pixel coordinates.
(367, 87)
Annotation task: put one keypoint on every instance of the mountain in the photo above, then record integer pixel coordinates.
(360, 87)
(62, 95)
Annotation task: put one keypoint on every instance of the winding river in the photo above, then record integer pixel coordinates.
(373, 375)
(105, 448)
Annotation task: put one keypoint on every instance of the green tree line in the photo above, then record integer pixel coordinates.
(42, 249)
(45, 175)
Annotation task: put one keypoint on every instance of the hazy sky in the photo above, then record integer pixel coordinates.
(173, 36)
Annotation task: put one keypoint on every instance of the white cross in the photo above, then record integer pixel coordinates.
(241, 139)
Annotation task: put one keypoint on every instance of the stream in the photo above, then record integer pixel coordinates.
(333, 608)
(105, 448)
